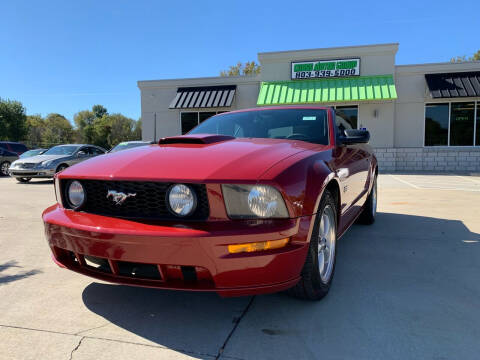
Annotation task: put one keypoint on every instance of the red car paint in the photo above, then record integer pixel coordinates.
(299, 170)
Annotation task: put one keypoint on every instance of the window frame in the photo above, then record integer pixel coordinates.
(443, 101)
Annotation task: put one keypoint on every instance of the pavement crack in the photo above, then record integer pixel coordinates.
(76, 347)
(93, 328)
(237, 322)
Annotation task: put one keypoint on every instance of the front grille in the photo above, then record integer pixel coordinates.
(149, 203)
(27, 165)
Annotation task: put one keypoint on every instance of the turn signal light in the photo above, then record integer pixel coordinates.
(257, 246)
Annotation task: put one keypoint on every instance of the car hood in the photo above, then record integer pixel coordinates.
(39, 158)
(229, 159)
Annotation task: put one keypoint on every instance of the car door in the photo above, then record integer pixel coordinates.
(351, 163)
(80, 155)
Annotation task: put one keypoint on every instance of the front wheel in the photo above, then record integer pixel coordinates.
(317, 272)
(370, 209)
(23, 179)
(61, 168)
(4, 168)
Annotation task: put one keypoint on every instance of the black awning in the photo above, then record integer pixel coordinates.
(452, 85)
(203, 97)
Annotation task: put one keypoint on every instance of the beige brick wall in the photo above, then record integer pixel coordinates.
(428, 159)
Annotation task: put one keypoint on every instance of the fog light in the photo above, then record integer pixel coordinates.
(257, 246)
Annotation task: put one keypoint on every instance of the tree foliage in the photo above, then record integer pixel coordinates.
(463, 58)
(13, 120)
(95, 126)
(248, 69)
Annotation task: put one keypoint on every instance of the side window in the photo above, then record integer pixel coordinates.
(18, 147)
(96, 151)
(3, 146)
(85, 150)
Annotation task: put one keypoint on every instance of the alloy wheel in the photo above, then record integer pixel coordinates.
(326, 244)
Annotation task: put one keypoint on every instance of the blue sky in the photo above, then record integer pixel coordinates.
(65, 56)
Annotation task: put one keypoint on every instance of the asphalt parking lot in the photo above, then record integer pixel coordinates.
(407, 287)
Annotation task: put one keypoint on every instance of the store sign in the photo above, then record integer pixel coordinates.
(325, 68)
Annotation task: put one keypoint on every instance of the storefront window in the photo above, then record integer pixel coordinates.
(346, 117)
(461, 124)
(205, 115)
(436, 124)
(191, 119)
(477, 133)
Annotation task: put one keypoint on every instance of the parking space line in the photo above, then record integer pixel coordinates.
(405, 182)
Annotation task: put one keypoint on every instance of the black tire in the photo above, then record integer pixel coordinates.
(61, 167)
(311, 286)
(23, 179)
(4, 165)
(370, 209)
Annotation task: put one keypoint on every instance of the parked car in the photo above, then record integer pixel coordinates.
(129, 145)
(6, 158)
(52, 161)
(15, 147)
(32, 152)
(249, 202)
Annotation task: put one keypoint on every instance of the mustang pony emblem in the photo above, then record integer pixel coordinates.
(118, 197)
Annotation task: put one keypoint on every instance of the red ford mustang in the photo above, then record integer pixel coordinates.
(250, 201)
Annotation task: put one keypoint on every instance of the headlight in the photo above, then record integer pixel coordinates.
(75, 194)
(182, 200)
(254, 201)
(45, 164)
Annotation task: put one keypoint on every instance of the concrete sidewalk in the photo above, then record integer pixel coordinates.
(406, 287)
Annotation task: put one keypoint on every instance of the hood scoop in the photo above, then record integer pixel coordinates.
(195, 139)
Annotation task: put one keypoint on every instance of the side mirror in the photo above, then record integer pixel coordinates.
(354, 136)
(81, 154)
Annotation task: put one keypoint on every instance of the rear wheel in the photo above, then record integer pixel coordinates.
(23, 179)
(319, 267)
(4, 168)
(370, 209)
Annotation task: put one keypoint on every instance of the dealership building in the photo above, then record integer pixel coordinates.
(421, 117)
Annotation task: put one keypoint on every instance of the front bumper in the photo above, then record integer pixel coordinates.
(32, 173)
(187, 256)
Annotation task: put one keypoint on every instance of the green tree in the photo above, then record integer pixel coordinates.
(35, 130)
(137, 131)
(13, 120)
(99, 111)
(58, 130)
(463, 58)
(250, 68)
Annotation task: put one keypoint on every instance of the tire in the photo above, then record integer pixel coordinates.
(23, 179)
(370, 209)
(61, 168)
(313, 285)
(4, 168)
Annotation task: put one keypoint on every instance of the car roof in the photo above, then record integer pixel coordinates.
(284, 107)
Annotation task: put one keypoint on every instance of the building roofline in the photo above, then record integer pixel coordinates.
(328, 48)
(211, 80)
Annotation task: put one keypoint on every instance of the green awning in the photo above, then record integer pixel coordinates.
(360, 88)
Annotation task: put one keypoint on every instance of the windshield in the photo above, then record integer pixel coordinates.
(124, 146)
(61, 150)
(294, 124)
(30, 153)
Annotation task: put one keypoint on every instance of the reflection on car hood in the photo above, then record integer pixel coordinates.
(230, 160)
(39, 158)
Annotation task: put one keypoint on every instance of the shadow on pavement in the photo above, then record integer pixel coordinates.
(10, 278)
(402, 286)
(37, 182)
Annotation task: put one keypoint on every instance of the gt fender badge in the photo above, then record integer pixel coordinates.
(119, 197)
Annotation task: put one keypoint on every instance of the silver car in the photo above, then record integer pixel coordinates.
(52, 161)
